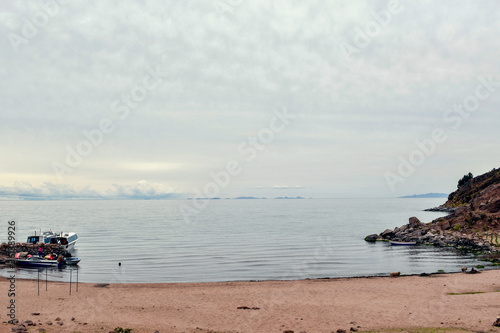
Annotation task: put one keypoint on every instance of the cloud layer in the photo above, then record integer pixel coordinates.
(168, 92)
(50, 191)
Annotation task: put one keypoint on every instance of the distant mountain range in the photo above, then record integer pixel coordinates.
(245, 198)
(427, 195)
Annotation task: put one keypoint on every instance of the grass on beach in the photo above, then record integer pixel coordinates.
(424, 330)
(472, 292)
(467, 293)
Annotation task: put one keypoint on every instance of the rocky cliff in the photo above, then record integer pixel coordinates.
(473, 222)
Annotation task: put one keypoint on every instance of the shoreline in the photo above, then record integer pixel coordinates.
(441, 300)
(381, 275)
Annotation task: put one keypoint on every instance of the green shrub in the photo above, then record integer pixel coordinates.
(464, 179)
(121, 330)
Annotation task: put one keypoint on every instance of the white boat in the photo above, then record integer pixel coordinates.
(40, 238)
(402, 243)
(66, 239)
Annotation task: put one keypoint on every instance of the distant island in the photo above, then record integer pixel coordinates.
(246, 198)
(427, 195)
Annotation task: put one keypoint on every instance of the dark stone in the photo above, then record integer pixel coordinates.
(341, 331)
(414, 222)
(497, 322)
(445, 225)
(493, 207)
(28, 322)
(35, 314)
(353, 329)
(288, 331)
(387, 233)
(371, 238)
(247, 308)
(472, 271)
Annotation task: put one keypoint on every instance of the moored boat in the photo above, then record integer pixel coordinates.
(40, 238)
(402, 243)
(66, 239)
(42, 262)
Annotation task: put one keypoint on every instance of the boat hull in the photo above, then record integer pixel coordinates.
(45, 262)
(396, 243)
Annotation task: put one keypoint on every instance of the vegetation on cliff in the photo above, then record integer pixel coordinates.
(470, 188)
(473, 222)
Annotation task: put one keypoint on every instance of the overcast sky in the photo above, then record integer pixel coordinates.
(155, 99)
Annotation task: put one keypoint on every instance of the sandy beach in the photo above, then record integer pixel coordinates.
(469, 301)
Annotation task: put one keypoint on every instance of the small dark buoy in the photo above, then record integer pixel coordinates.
(119, 264)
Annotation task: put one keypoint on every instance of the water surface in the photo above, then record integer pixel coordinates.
(232, 240)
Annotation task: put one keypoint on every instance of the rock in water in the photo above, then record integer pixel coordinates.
(371, 238)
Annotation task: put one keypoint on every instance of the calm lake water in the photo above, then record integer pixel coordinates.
(231, 240)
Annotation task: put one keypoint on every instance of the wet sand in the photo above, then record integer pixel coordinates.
(325, 305)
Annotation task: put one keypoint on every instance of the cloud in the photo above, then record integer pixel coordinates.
(143, 190)
(280, 187)
(50, 191)
(286, 187)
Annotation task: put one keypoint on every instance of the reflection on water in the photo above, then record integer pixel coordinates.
(233, 239)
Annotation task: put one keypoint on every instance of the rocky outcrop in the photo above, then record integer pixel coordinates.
(473, 222)
(437, 234)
